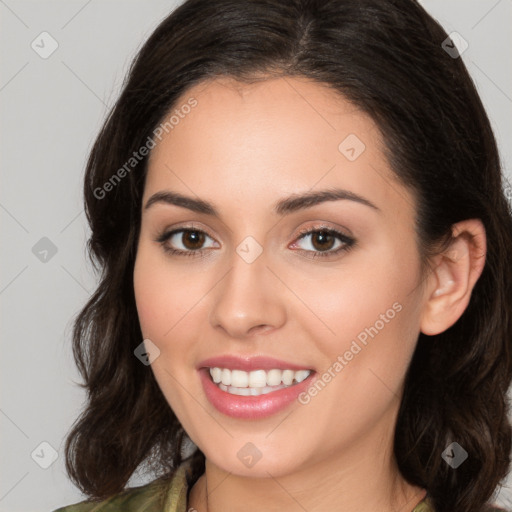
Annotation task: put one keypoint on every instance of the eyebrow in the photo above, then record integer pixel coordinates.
(285, 206)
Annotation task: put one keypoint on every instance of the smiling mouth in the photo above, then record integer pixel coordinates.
(256, 382)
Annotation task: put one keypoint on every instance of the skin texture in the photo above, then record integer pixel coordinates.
(242, 148)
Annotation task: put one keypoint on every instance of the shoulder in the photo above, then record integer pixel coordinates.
(146, 497)
(156, 496)
(425, 505)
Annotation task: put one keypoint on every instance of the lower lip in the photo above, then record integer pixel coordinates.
(251, 407)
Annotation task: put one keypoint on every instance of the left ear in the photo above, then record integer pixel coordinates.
(455, 272)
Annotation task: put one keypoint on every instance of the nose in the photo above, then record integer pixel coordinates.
(249, 300)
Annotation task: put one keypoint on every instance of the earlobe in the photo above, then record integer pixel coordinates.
(453, 277)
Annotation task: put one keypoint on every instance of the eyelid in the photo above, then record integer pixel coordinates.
(324, 227)
(183, 227)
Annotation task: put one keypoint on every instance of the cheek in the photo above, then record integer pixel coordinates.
(162, 302)
(373, 326)
(147, 298)
(367, 296)
(157, 291)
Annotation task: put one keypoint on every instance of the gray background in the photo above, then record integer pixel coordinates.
(51, 109)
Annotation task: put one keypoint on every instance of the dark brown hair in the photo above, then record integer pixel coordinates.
(386, 57)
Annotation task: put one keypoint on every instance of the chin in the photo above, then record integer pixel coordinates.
(250, 461)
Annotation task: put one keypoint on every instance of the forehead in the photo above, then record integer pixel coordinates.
(274, 114)
(242, 143)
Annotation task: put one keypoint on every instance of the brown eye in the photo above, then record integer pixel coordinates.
(192, 240)
(322, 240)
(185, 242)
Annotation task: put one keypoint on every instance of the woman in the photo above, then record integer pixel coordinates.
(305, 247)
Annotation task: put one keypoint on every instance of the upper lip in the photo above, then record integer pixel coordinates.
(248, 364)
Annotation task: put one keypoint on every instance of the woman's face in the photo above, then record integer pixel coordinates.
(264, 283)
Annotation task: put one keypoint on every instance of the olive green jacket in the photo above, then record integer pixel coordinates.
(163, 496)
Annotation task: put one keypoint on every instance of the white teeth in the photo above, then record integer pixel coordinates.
(216, 374)
(288, 377)
(274, 377)
(239, 379)
(257, 381)
(302, 375)
(226, 377)
(250, 391)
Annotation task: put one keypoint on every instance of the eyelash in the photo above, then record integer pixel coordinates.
(348, 242)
